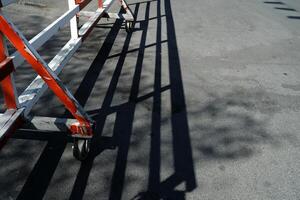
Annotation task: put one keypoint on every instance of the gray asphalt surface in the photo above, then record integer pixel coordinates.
(200, 102)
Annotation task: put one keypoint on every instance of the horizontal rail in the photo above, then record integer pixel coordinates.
(107, 4)
(9, 122)
(12, 119)
(51, 124)
(41, 67)
(126, 17)
(46, 34)
(85, 29)
(6, 2)
(54, 27)
(37, 87)
(94, 18)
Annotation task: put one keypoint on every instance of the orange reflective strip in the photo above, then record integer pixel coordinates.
(2, 49)
(100, 3)
(82, 3)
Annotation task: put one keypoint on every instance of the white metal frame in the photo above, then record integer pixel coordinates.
(37, 87)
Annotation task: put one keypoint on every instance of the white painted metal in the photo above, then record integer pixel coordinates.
(46, 34)
(85, 13)
(7, 2)
(55, 26)
(37, 87)
(97, 15)
(107, 4)
(49, 124)
(34, 53)
(8, 119)
(126, 17)
(73, 21)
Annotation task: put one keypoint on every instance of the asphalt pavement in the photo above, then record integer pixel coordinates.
(201, 101)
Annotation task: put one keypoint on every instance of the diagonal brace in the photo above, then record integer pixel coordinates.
(85, 123)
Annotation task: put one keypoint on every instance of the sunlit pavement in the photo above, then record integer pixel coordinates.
(201, 101)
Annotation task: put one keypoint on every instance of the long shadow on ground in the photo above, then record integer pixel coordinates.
(39, 179)
(234, 138)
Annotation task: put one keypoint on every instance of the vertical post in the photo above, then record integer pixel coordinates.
(7, 84)
(126, 8)
(73, 21)
(100, 3)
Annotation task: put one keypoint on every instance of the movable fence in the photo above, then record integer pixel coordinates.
(18, 107)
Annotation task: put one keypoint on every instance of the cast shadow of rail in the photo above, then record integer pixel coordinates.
(284, 7)
(183, 162)
(235, 139)
(39, 179)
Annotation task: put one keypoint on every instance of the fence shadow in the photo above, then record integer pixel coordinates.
(182, 152)
(183, 162)
(39, 179)
(284, 7)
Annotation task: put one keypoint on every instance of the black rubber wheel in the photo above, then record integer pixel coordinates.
(129, 25)
(81, 148)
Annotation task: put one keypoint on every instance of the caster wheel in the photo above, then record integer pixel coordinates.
(129, 25)
(81, 148)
